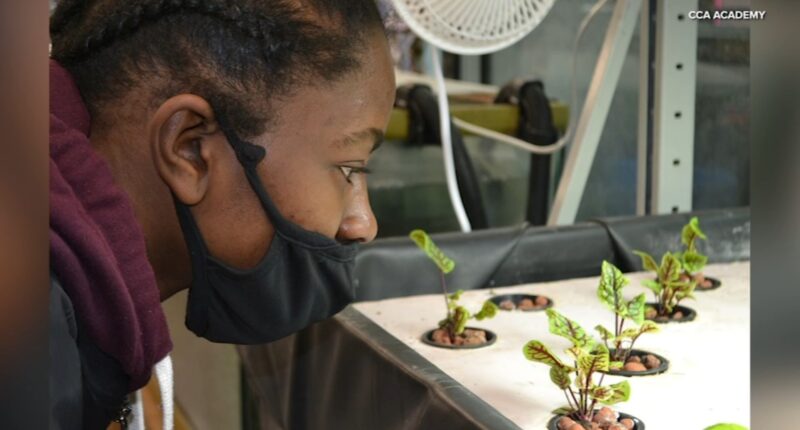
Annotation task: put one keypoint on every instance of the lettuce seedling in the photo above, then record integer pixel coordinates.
(457, 315)
(668, 287)
(609, 292)
(577, 379)
(692, 260)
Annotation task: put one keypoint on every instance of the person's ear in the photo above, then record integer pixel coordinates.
(181, 133)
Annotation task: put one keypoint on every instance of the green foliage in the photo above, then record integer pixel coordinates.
(594, 360)
(489, 310)
(537, 351)
(458, 316)
(610, 290)
(691, 232)
(620, 392)
(653, 286)
(693, 261)
(726, 426)
(605, 333)
(648, 262)
(668, 288)
(452, 299)
(560, 376)
(564, 327)
(445, 264)
(670, 268)
(635, 309)
(578, 383)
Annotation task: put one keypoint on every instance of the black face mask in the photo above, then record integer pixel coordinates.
(304, 277)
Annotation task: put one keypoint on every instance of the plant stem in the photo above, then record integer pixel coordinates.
(444, 292)
(594, 402)
(569, 402)
(577, 405)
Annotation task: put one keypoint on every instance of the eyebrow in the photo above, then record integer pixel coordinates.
(371, 134)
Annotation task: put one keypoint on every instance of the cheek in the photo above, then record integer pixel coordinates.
(309, 195)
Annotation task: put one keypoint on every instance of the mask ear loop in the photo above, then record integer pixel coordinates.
(249, 155)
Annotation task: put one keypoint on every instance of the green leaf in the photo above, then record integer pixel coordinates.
(610, 289)
(670, 269)
(615, 365)
(635, 309)
(653, 286)
(574, 351)
(564, 327)
(537, 351)
(726, 426)
(489, 310)
(596, 360)
(605, 334)
(456, 296)
(648, 262)
(445, 264)
(694, 261)
(560, 377)
(564, 410)
(691, 232)
(648, 327)
(601, 394)
(621, 392)
(460, 316)
(629, 333)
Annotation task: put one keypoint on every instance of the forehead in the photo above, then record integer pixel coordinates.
(356, 106)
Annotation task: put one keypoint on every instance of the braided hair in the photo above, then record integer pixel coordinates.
(237, 54)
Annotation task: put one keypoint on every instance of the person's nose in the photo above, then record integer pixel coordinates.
(359, 223)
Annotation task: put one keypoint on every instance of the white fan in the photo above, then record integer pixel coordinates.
(474, 27)
(468, 27)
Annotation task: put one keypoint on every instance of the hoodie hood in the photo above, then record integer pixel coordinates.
(97, 248)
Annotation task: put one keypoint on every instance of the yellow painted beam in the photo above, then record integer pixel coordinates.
(503, 118)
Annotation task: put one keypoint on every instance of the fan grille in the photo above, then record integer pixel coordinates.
(472, 27)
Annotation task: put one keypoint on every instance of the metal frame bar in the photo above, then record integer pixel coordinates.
(595, 111)
(644, 139)
(672, 159)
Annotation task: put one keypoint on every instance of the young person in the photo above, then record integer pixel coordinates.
(219, 146)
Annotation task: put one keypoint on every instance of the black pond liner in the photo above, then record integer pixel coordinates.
(490, 339)
(689, 314)
(715, 283)
(641, 353)
(516, 298)
(637, 423)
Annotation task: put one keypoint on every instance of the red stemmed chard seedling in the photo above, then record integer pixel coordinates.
(577, 379)
(457, 316)
(620, 342)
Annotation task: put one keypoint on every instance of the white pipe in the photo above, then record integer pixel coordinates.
(447, 144)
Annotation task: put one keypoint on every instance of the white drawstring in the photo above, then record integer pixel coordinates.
(164, 375)
(137, 413)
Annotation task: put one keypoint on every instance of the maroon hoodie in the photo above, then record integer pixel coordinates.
(97, 248)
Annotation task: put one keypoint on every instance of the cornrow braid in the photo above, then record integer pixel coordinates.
(231, 52)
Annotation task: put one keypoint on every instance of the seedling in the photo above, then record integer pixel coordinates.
(692, 259)
(668, 287)
(457, 316)
(577, 380)
(621, 340)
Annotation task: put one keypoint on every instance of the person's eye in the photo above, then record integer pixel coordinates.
(348, 172)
